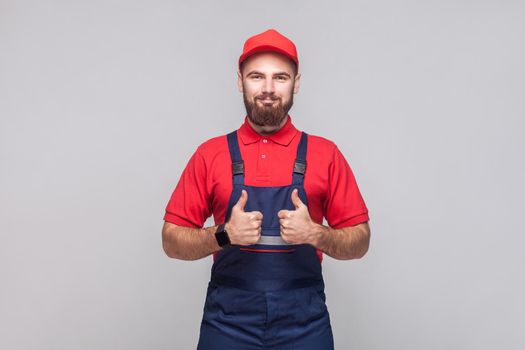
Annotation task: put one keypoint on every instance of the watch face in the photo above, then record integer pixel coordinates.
(222, 239)
(222, 236)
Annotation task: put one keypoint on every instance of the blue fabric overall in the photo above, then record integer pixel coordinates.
(269, 295)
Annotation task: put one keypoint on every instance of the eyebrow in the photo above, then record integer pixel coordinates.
(275, 74)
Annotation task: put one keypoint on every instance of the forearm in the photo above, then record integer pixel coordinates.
(187, 243)
(344, 243)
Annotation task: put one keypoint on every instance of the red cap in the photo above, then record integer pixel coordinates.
(270, 40)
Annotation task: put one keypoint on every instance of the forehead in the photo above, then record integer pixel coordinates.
(268, 62)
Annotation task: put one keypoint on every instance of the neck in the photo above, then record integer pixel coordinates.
(267, 129)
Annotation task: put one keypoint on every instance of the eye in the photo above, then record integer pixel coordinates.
(281, 78)
(256, 76)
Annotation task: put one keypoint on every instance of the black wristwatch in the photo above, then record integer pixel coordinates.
(222, 236)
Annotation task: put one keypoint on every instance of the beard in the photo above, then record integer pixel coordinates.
(267, 115)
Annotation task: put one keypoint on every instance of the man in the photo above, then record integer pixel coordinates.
(268, 186)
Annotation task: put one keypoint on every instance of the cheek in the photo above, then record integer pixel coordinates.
(251, 93)
(251, 88)
(285, 92)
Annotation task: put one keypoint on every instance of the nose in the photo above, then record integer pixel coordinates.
(268, 86)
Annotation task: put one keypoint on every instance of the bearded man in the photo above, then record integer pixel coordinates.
(268, 186)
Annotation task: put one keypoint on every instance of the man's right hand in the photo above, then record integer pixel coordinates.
(244, 228)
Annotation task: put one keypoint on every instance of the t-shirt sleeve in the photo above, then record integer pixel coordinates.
(344, 205)
(189, 204)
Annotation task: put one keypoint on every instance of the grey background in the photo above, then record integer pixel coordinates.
(103, 102)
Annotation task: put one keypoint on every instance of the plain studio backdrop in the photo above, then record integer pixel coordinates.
(102, 104)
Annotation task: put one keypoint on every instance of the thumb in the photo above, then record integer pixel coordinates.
(296, 200)
(242, 200)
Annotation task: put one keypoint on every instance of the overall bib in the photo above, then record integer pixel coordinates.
(269, 295)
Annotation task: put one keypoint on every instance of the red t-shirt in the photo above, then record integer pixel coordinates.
(205, 185)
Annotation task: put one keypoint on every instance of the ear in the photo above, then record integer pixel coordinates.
(296, 83)
(239, 81)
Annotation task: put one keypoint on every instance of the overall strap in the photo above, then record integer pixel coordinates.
(299, 167)
(237, 162)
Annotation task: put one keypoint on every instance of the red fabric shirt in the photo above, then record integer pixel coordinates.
(205, 185)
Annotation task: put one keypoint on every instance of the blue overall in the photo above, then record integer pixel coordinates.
(269, 295)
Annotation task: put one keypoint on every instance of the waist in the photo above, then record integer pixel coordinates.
(271, 285)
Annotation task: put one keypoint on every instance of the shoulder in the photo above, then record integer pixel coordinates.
(320, 145)
(213, 147)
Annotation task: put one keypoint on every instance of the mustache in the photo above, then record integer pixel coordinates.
(267, 96)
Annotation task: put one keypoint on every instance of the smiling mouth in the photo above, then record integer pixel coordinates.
(267, 100)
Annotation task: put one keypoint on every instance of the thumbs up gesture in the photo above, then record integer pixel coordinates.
(244, 227)
(297, 227)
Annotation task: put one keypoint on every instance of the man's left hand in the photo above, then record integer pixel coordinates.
(297, 227)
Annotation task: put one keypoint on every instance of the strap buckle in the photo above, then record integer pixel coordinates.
(238, 168)
(299, 167)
